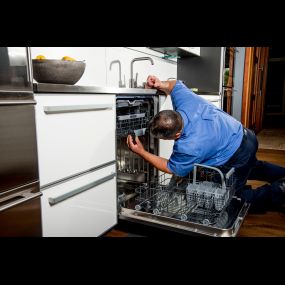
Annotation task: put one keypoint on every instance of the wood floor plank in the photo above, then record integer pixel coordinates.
(272, 139)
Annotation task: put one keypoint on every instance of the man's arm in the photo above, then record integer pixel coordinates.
(164, 86)
(158, 162)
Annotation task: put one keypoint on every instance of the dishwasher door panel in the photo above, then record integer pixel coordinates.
(229, 224)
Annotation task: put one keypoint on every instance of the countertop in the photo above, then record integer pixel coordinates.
(62, 88)
(76, 89)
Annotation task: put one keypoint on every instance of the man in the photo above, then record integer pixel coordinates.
(205, 134)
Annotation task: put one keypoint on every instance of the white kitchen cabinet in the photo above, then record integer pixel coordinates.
(205, 73)
(76, 150)
(165, 146)
(75, 133)
(85, 206)
(192, 50)
(214, 99)
(178, 51)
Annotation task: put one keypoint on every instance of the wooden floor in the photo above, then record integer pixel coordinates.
(272, 139)
(271, 224)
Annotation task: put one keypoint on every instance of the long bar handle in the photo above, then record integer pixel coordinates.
(60, 198)
(18, 102)
(76, 108)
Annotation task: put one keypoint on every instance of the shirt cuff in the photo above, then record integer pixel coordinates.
(178, 85)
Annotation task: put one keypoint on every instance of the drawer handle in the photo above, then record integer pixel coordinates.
(76, 108)
(60, 198)
(15, 200)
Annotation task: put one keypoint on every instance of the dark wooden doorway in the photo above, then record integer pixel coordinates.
(254, 88)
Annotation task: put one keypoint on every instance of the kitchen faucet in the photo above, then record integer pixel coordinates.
(134, 82)
(120, 73)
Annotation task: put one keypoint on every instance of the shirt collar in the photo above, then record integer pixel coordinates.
(185, 122)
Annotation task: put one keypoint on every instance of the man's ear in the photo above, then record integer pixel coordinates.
(177, 135)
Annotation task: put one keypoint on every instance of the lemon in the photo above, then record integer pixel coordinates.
(68, 58)
(40, 57)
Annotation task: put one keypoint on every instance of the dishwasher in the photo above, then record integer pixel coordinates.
(203, 203)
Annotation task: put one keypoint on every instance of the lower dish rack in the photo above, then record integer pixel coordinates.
(201, 197)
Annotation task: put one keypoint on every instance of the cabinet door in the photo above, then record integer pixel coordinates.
(85, 206)
(75, 133)
(165, 146)
(204, 72)
(193, 50)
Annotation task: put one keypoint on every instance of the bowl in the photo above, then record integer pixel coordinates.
(57, 71)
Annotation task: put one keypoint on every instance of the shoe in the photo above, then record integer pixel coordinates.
(280, 209)
(255, 210)
(281, 183)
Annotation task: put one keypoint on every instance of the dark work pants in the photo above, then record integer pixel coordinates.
(266, 197)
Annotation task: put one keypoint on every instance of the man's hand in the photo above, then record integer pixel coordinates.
(136, 148)
(158, 162)
(164, 86)
(153, 82)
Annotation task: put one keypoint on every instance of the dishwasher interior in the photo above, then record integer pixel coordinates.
(133, 115)
(202, 203)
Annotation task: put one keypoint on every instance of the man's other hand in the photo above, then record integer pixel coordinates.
(136, 148)
(164, 86)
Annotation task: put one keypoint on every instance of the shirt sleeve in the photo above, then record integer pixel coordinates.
(181, 164)
(182, 96)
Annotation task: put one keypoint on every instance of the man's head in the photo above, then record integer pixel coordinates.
(166, 125)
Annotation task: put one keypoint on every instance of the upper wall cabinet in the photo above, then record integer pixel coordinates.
(204, 72)
(178, 51)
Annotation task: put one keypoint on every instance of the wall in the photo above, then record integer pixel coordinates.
(98, 61)
(238, 82)
(95, 72)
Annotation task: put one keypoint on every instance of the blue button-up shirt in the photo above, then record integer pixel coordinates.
(209, 135)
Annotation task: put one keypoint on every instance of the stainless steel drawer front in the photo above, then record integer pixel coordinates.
(76, 108)
(60, 198)
(19, 197)
(18, 146)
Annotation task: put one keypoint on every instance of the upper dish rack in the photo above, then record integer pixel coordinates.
(128, 124)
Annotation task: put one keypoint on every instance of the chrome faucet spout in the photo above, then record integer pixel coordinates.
(133, 82)
(120, 71)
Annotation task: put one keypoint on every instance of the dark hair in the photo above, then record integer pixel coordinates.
(165, 124)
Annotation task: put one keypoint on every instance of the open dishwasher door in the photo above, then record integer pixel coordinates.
(230, 221)
(201, 204)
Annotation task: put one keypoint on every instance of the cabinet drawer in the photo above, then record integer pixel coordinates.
(84, 206)
(74, 133)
